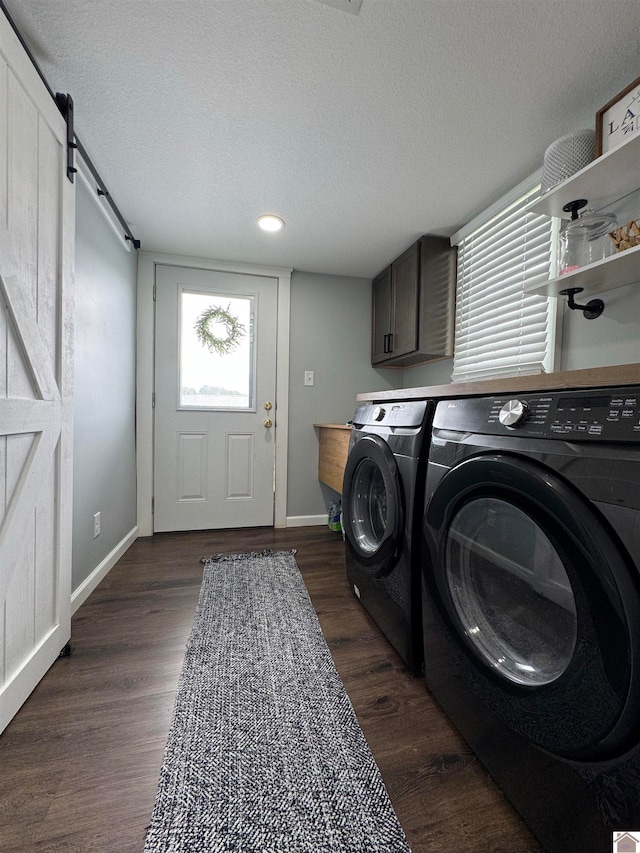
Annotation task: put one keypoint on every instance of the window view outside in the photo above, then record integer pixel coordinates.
(216, 351)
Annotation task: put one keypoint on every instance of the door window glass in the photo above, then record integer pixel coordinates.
(368, 506)
(511, 592)
(216, 351)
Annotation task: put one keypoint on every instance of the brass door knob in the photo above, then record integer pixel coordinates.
(268, 423)
(268, 406)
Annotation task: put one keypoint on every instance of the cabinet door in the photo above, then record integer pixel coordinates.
(404, 281)
(381, 317)
(437, 297)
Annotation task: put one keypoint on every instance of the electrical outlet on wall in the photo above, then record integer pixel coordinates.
(309, 377)
(96, 525)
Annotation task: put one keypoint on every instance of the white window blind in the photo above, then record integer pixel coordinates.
(500, 329)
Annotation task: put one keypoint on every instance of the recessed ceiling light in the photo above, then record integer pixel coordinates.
(269, 222)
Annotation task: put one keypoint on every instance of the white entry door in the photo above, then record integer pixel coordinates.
(36, 333)
(215, 381)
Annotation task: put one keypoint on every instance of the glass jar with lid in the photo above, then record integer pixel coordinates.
(585, 239)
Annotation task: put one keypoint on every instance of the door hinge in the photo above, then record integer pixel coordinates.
(153, 400)
(154, 291)
(153, 505)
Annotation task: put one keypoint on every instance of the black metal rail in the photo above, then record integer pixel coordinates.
(65, 105)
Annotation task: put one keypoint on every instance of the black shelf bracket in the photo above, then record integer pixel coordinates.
(590, 311)
(573, 207)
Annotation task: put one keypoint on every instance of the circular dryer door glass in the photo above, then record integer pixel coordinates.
(368, 506)
(510, 591)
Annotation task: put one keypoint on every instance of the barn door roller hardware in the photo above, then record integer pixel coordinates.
(65, 105)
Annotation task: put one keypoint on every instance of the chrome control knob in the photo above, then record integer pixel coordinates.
(378, 413)
(513, 414)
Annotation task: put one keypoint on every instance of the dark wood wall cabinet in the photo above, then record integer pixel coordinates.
(414, 305)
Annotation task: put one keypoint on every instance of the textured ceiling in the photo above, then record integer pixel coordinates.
(361, 131)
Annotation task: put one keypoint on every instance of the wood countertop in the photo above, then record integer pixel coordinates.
(332, 426)
(594, 377)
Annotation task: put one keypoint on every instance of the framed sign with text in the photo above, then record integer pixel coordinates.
(618, 120)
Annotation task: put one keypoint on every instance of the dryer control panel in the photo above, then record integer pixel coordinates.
(610, 414)
(409, 414)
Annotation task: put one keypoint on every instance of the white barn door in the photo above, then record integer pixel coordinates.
(36, 309)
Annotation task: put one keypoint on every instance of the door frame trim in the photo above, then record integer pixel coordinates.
(147, 262)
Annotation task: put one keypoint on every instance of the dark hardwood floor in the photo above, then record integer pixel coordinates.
(79, 763)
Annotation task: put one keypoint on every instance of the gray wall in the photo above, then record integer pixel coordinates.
(331, 335)
(613, 338)
(104, 478)
(436, 373)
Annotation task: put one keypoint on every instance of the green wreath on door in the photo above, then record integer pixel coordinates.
(219, 316)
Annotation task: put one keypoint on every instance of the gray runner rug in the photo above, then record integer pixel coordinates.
(265, 754)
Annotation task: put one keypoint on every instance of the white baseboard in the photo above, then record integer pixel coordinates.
(80, 595)
(307, 520)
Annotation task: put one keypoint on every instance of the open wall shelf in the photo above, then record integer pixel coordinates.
(617, 271)
(601, 182)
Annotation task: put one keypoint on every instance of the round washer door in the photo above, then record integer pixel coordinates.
(539, 603)
(372, 511)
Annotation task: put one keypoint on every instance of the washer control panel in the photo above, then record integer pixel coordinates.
(610, 414)
(513, 414)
